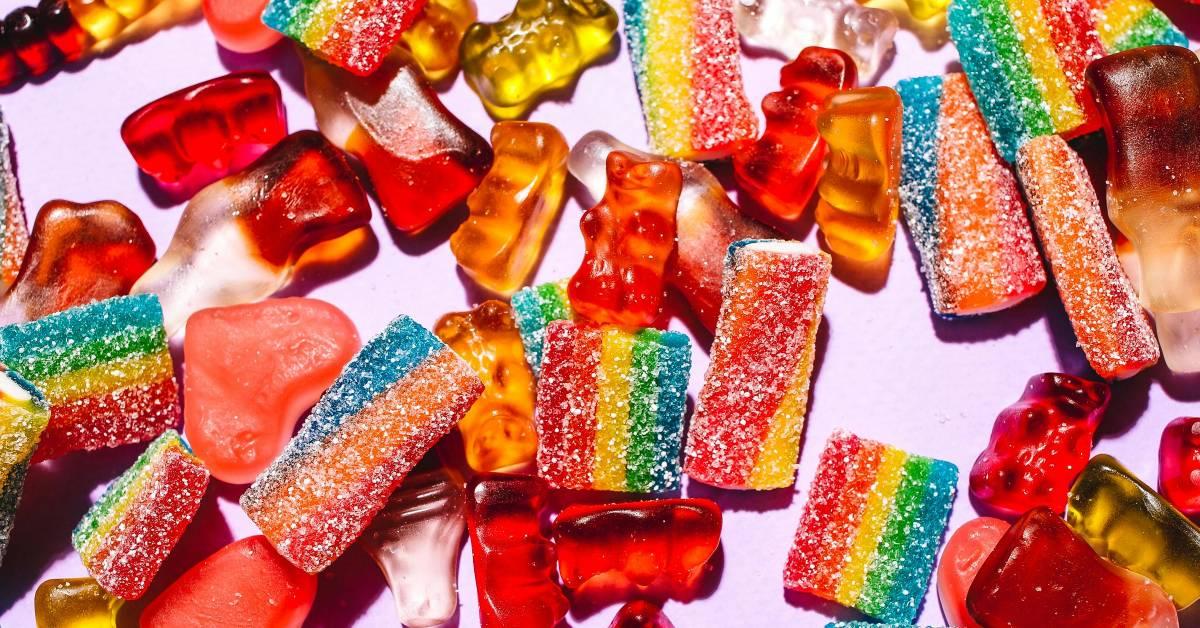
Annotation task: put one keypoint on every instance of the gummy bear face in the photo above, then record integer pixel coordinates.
(859, 175)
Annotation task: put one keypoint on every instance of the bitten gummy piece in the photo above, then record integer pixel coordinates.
(789, 26)
(353, 34)
(104, 368)
(686, 59)
(75, 603)
(239, 239)
(962, 204)
(610, 407)
(533, 310)
(78, 254)
(13, 236)
(24, 413)
(665, 540)
(244, 583)
(395, 400)
(1128, 523)
(252, 371)
(422, 160)
(1042, 574)
(1179, 465)
(746, 430)
(871, 528)
(965, 552)
(641, 614)
(125, 537)
(1108, 319)
(435, 38)
(1039, 444)
(514, 561)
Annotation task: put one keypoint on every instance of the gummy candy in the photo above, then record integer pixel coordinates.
(1042, 574)
(610, 407)
(422, 160)
(789, 26)
(706, 221)
(1128, 523)
(540, 47)
(871, 528)
(686, 59)
(629, 235)
(1127, 24)
(105, 369)
(513, 207)
(415, 540)
(780, 170)
(125, 537)
(237, 25)
(645, 542)
(965, 552)
(239, 238)
(397, 397)
(200, 134)
(353, 34)
(859, 188)
(641, 614)
(78, 254)
(252, 371)
(1108, 319)
(244, 583)
(1039, 444)
(498, 431)
(745, 432)
(514, 561)
(1148, 100)
(24, 413)
(29, 42)
(434, 39)
(962, 204)
(533, 310)
(1179, 465)
(13, 237)
(75, 603)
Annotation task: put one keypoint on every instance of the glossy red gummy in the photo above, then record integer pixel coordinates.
(1039, 444)
(965, 552)
(1179, 465)
(30, 41)
(62, 29)
(641, 614)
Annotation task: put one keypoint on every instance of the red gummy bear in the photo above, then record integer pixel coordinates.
(1042, 574)
(630, 235)
(781, 169)
(965, 552)
(641, 614)
(1179, 465)
(202, 133)
(245, 583)
(514, 561)
(1039, 444)
(641, 541)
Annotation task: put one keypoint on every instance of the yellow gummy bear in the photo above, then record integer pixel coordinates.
(75, 603)
(435, 37)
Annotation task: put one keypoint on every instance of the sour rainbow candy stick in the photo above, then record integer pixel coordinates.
(353, 34)
(534, 309)
(24, 413)
(13, 235)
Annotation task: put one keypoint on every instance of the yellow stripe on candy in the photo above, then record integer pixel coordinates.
(114, 514)
(107, 377)
(870, 528)
(669, 73)
(1117, 18)
(612, 410)
(776, 464)
(1051, 81)
(321, 22)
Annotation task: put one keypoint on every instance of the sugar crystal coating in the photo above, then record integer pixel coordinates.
(353, 34)
(24, 413)
(534, 309)
(13, 236)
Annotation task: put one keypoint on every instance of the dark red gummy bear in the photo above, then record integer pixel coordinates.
(30, 41)
(1039, 444)
(1179, 465)
(63, 30)
(641, 614)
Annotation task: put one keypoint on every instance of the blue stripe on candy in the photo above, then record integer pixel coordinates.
(922, 99)
(924, 539)
(985, 72)
(527, 313)
(674, 369)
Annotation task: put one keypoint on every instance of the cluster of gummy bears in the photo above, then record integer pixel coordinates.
(522, 423)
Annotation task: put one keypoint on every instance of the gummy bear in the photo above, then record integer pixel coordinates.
(78, 254)
(781, 169)
(641, 614)
(1149, 99)
(252, 371)
(237, 25)
(434, 39)
(542, 46)
(498, 430)
(860, 187)
(1039, 444)
(514, 561)
(199, 134)
(1127, 522)
(238, 239)
(965, 552)
(1042, 574)
(1179, 465)
(514, 206)
(646, 542)
(24, 414)
(13, 236)
(244, 583)
(422, 160)
(75, 603)
(789, 26)
(629, 235)
(353, 34)
(415, 540)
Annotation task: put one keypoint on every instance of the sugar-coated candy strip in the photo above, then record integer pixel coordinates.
(871, 528)
(353, 34)
(534, 309)
(1128, 24)
(962, 204)
(1108, 319)
(24, 414)
(403, 391)
(125, 537)
(746, 430)
(13, 235)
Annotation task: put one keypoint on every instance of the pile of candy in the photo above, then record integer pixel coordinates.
(525, 422)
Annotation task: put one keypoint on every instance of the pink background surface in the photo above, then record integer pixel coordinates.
(886, 368)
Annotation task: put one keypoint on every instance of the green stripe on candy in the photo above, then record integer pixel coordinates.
(887, 563)
(643, 411)
(919, 554)
(1010, 54)
(1154, 28)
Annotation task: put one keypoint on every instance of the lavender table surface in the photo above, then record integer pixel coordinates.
(886, 368)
